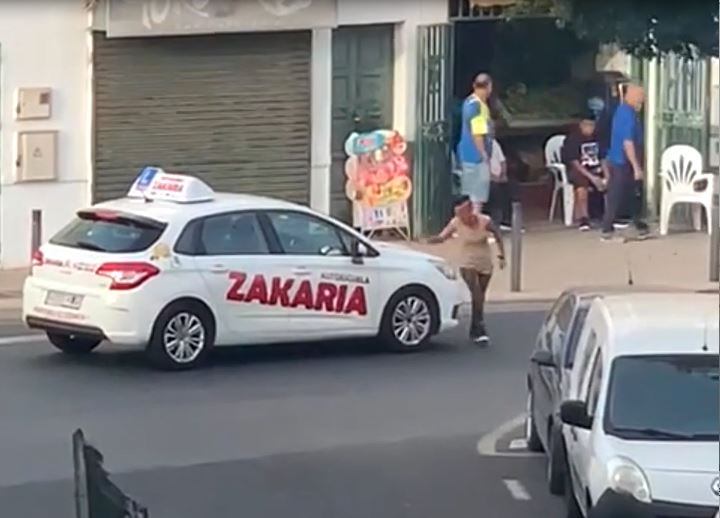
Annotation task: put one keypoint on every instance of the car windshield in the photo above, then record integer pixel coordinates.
(664, 398)
(106, 231)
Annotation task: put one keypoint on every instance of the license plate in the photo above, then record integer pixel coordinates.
(63, 299)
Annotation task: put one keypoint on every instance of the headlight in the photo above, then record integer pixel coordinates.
(448, 271)
(626, 477)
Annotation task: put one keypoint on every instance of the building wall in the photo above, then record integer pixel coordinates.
(406, 16)
(43, 44)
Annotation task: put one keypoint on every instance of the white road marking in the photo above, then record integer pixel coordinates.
(516, 489)
(487, 445)
(21, 339)
(518, 444)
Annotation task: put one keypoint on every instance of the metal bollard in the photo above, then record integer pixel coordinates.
(36, 236)
(714, 222)
(516, 248)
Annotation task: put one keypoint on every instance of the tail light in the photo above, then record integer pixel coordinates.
(126, 276)
(38, 259)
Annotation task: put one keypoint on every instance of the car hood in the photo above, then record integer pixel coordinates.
(401, 251)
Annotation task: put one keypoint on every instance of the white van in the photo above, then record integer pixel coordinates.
(642, 425)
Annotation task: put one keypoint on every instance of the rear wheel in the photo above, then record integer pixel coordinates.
(531, 434)
(183, 335)
(410, 320)
(555, 461)
(72, 344)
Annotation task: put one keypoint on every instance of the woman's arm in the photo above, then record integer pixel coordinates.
(446, 234)
(498, 242)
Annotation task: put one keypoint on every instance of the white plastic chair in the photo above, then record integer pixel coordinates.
(561, 185)
(681, 169)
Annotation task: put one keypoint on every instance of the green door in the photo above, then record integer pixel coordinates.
(431, 172)
(361, 96)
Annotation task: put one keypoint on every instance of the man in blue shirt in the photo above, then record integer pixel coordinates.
(625, 159)
(475, 146)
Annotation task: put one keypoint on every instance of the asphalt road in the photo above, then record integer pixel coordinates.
(321, 430)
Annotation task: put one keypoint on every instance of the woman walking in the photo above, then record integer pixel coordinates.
(476, 263)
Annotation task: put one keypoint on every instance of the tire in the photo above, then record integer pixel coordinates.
(182, 337)
(531, 434)
(572, 509)
(556, 462)
(71, 344)
(409, 321)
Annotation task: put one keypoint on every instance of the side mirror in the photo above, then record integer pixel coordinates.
(358, 252)
(574, 413)
(543, 358)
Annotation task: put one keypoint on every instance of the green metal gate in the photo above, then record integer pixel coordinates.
(432, 175)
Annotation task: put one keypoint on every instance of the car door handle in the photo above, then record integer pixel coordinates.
(219, 268)
(301, 271)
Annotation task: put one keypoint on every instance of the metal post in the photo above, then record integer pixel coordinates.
(516, 247)
(714, 222)
(82, 509)
(36, 236)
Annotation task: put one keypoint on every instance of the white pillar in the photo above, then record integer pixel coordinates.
(321, 119)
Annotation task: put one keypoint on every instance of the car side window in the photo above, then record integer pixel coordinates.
(588, 352)
(565, 314)
(237, 233)
(574, 338)
(304, 234)
(596, 377)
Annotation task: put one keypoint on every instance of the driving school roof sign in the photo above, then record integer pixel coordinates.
(155, 184)
(128, 18)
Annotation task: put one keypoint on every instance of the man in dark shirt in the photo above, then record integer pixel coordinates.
(625, 159)
(582, 156)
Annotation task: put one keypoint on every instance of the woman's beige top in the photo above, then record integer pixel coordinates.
(474, 249)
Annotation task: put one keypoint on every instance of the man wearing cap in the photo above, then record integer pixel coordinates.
(581, 154)
(475, 147)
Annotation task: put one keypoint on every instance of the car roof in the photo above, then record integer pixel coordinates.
(170, 211)
(655, 323)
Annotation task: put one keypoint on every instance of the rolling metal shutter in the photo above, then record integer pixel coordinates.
(232, 109)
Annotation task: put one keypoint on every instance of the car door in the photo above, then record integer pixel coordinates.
(547, 391)
(233, 255)
(332, 295)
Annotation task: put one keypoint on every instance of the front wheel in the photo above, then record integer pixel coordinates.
(409, 321)
(182, 337)
(572, 508)
(72, 344)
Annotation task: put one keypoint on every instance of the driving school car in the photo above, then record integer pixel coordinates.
(177, 269)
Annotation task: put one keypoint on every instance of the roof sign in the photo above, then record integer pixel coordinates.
(155, 184)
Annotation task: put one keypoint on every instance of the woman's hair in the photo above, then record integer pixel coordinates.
(459, 200)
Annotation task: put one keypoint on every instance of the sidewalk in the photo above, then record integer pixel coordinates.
(556, 258)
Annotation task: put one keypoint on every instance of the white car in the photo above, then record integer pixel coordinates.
(178, 268)
(641, 430)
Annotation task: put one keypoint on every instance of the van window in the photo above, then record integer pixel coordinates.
(588, 353)
(109, 231)
(664, 398)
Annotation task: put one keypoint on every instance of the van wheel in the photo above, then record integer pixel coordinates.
(531, 435)
(72, 344)
(409, 321)
(182, 337)
(555, 461)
